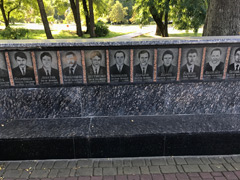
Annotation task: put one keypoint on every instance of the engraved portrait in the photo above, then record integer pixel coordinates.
(4, 77)
(119, 65)
(234, 64)
(47, 67)
(96, 66)
(167, 64)
(22, 68)
(143, 65)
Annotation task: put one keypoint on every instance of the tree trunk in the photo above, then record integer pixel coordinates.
(92, 28)
(76, 15)
(44, 19)
(223, 18)
(6, 20)
(86, 13)
(158, 32)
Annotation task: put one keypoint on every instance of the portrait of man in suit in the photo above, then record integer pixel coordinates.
(120, 71)
(4, 77)
(215, 65)
(191, 70)
(95, 68)
(47, 73)
(143, 70)
(73, 69)
(22, 70)
(235, 66)
(167, 68)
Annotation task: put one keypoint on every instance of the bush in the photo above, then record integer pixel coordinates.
(101, 29)
(12, 33)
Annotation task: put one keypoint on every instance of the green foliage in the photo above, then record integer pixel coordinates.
(189, 14)
(118, 13)
(51, 19)
(101, 29)
(12, 33)
(38, 20)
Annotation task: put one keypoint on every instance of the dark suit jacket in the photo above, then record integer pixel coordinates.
(231, 67)
(54, 72)
(78, 71)
(125, 70)
(172, 69)
(102, 70)
(185, 69)
(220, 67)
(138, 70)
(29, 72)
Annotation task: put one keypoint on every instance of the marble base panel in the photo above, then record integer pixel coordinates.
(129, 136)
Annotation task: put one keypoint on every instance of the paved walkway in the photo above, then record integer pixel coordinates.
(151, 168)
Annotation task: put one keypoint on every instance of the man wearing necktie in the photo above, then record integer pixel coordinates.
(22, 70)
(73, 69)
(47, 72)
(190, 69)
(120, 71)
(95, 68)
(235, 66)
(143, 69)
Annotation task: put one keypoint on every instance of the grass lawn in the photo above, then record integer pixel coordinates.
(171, 35)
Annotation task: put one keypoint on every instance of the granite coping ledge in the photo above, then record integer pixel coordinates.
(112, 127)
(113, 42)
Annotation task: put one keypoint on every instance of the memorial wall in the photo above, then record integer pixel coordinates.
(76, 66)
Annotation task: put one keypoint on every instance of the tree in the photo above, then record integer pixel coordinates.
(44, 19)
(189, 14)
(92, 27)
(158, 9)
(76, 14)
(223, 18)
(118, 13)
(7, 7)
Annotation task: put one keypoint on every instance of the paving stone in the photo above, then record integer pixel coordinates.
(97, 172)
(138, 162)
(180, 161)
(168, 169)
(108, 178)
(53, 173)
(109, 171)
(48, 164)
(217, 174)
(191, 168)
(144, 170)
(180, 169)
(205, 160)
(39, 165)
(84, 178)
(170, 177)
(217, 167)
(13, 165)
(72, 172)
(95, 163)
(157, 177)
(117, 163)
(60, 164)
(205, 168)
(39, 174)
(84, 163)
(230, 175)
(206, 175)
(84, 172)
(120, 171)
(195, 178)
(182, 176)
(228, 167)
(236, 159)
(105, 163)
(121, 177)
(236, 166)
(154, 170)
(147, 162)
(25, 174)
(220, 178)
(63, 173)
(12, 173)
(27, 165)
(146, 177)
(193, 174)
(170, 161)
(193, 161)
(131, 170)
(217, 160)
(229, 160)
(237, 174)
(133, 177)
(72, 164)
(127, 163)
(71, 178)
(158, 162)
